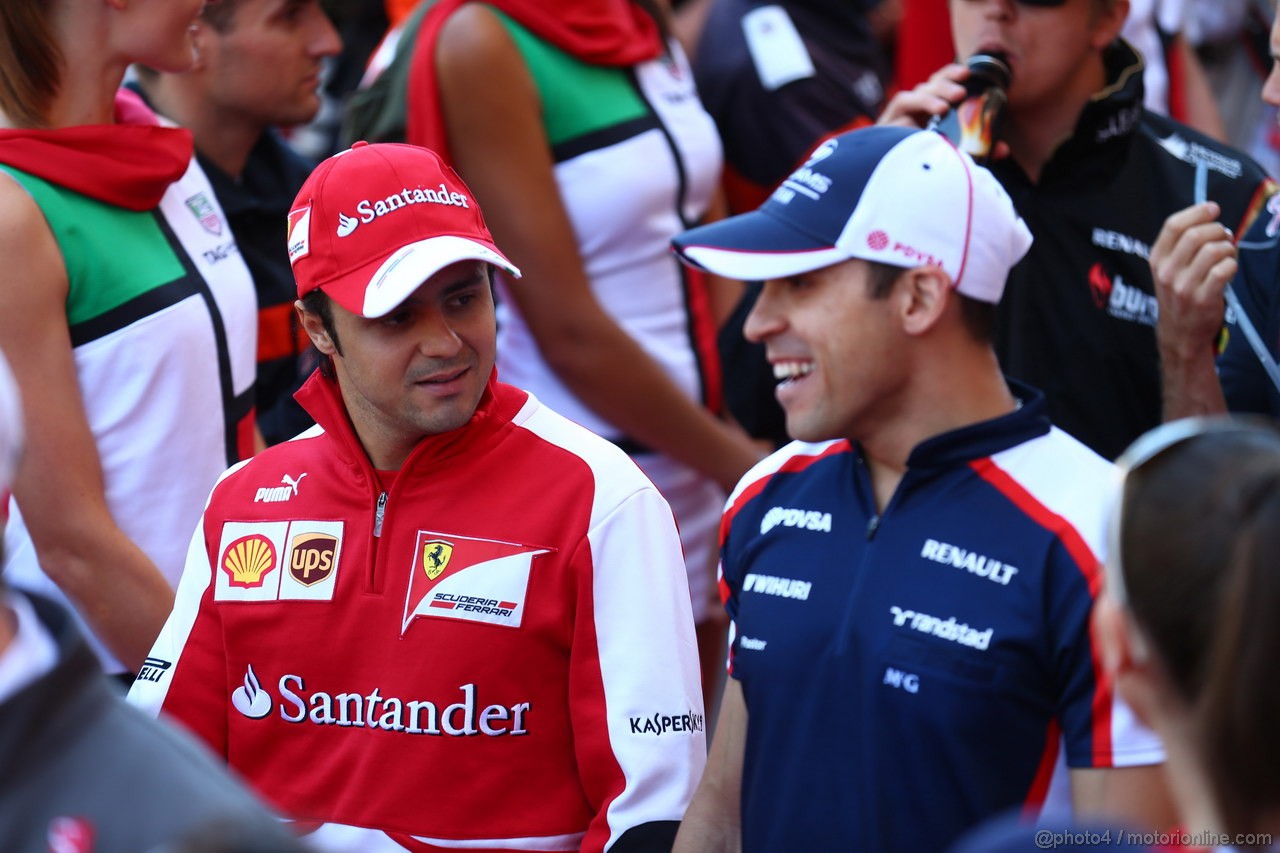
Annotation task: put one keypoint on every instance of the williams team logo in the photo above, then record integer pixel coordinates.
(307, 552)
(203, 210)
(475, 580)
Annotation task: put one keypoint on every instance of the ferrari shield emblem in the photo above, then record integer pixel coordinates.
(435, 557)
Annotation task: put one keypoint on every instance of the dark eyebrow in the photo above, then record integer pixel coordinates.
(479, 277)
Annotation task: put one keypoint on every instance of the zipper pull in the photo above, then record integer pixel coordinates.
(377, 518)
(872, 525)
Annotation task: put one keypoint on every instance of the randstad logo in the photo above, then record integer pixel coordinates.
(371, 209)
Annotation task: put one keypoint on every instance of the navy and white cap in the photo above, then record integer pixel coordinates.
(893, 195)
(10, 430)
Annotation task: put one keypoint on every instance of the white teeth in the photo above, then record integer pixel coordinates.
(791, 369)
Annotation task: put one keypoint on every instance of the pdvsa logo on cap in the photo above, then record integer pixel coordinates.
(299, 239)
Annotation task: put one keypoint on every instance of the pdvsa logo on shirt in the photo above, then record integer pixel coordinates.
(801, 518)
(278, 561)
(466, 578)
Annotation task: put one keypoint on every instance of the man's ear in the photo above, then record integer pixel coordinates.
(925, 293)
(201, 45)
(1108, 22)
(314, 327)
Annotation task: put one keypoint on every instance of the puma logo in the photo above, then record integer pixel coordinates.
(276, 494)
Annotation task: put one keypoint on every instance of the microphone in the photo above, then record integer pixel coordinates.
(973, 125)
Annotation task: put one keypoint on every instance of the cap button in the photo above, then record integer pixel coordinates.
(360, 144)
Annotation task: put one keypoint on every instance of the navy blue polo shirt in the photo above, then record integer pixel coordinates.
(911, 672)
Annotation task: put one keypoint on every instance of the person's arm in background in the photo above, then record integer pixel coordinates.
(494, 124)
(713, 823)
(1192, 261)
(723, 293)
(1130, 796)
(59, 488)
(1199, 107)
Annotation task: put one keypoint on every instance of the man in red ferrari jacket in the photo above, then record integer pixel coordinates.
(445, 617)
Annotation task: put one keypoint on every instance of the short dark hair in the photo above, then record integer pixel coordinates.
(979, 317)
(317, 302)
(219, 15)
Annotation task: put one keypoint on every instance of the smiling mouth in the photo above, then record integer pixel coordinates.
(790, 371)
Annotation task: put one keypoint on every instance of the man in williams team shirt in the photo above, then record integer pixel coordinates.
(910, 582)
(444, 617)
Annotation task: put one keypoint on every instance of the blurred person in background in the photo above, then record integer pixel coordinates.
(1186, 618)
(257, 67)
(1095, 175)
(132, 333)
(83, 771)
(581, 132)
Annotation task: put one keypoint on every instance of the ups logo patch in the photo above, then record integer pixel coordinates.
(312, 558)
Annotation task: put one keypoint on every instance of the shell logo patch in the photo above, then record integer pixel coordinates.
(248, 559)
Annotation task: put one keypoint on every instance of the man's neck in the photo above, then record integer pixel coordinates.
(1034, 133)
(972, 390)
(221, 139)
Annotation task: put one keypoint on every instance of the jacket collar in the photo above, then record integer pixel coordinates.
(499, 403)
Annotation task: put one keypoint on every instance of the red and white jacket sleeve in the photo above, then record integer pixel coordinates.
(185, 675)
(641, 750)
